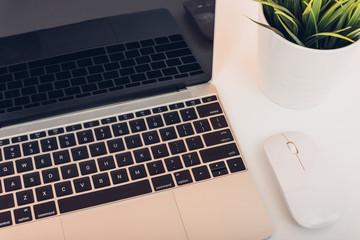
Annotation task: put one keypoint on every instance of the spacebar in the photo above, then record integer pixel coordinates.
(104, 196)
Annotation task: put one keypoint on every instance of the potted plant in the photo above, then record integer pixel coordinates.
(304, 45)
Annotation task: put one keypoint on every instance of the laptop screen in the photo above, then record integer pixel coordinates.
(68, 56)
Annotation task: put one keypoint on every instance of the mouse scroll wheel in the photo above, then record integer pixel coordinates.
(292, 147)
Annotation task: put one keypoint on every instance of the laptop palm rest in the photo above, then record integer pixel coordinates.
(45, 229)
(134, 219)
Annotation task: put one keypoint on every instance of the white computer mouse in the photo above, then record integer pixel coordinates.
(307, 182)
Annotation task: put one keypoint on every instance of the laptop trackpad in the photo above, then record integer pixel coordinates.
(153, 217)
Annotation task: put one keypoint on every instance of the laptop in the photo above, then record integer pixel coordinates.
(111, 128)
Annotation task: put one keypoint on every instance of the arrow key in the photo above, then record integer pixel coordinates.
(201, 173)
(236, 165)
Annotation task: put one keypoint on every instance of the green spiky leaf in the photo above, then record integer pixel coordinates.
(321, 24)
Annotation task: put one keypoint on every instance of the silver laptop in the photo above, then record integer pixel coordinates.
(111, 129)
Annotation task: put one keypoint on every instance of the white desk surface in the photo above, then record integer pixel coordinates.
(334, 125)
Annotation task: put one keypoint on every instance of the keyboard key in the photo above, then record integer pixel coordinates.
(31, 179)
(126, 116)
(202, 126)
(217, 153)
(171, 118)
(133, 141)
(160, 109)
(79, 153)
(55, 131)
(194, 143)
(218, 137)
(137, 172)
(69, 171)
(19, 139)
(209, 99)
(42, 161)
(188, 114)
(218, 169)
(119, 176)
(4, 142)
(98, 149)
(68, 65)
(124, 159)
(163, 182)
(12, 184)
(5, 219)
(85, 136)
(142, 155)
(24, 197)
(22, 215)
(120, 129)
(146, 43)
(12, 93)
(30, 148)
(185, 130)
(102, 133)
(115, 145)
(236, 165)
(67, 140)
(49, 144)
(91, 124)
(50, 175)
(191, 159)
(142, 113)
(6, 169)
(159, 151)
(73, 127)
(6, 201)
(101, 180)
(12, 152)
(173, 163)
(176, 106)
(24, 165)
(137, 125)
(201, 173)
(154, 122)
(117, 57)
(63, 189)
(61, 157)
(189, 67)
(44, 193)
(82, 184)
(209, 109)
(178, 53)
(87, 167)
(45, 210)
(155, 168)
(151, 137)
(116, 48)
(106, 163)
(104, 196)
(183, 177)
(193, 102)
(218, 122)
(177, 147)
(168, 133)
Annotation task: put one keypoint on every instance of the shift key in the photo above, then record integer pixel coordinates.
(221, 152)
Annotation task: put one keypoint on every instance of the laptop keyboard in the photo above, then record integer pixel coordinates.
(95, 71)
(62, 170)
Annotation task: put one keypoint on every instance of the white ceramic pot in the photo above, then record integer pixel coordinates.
(298, 77)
